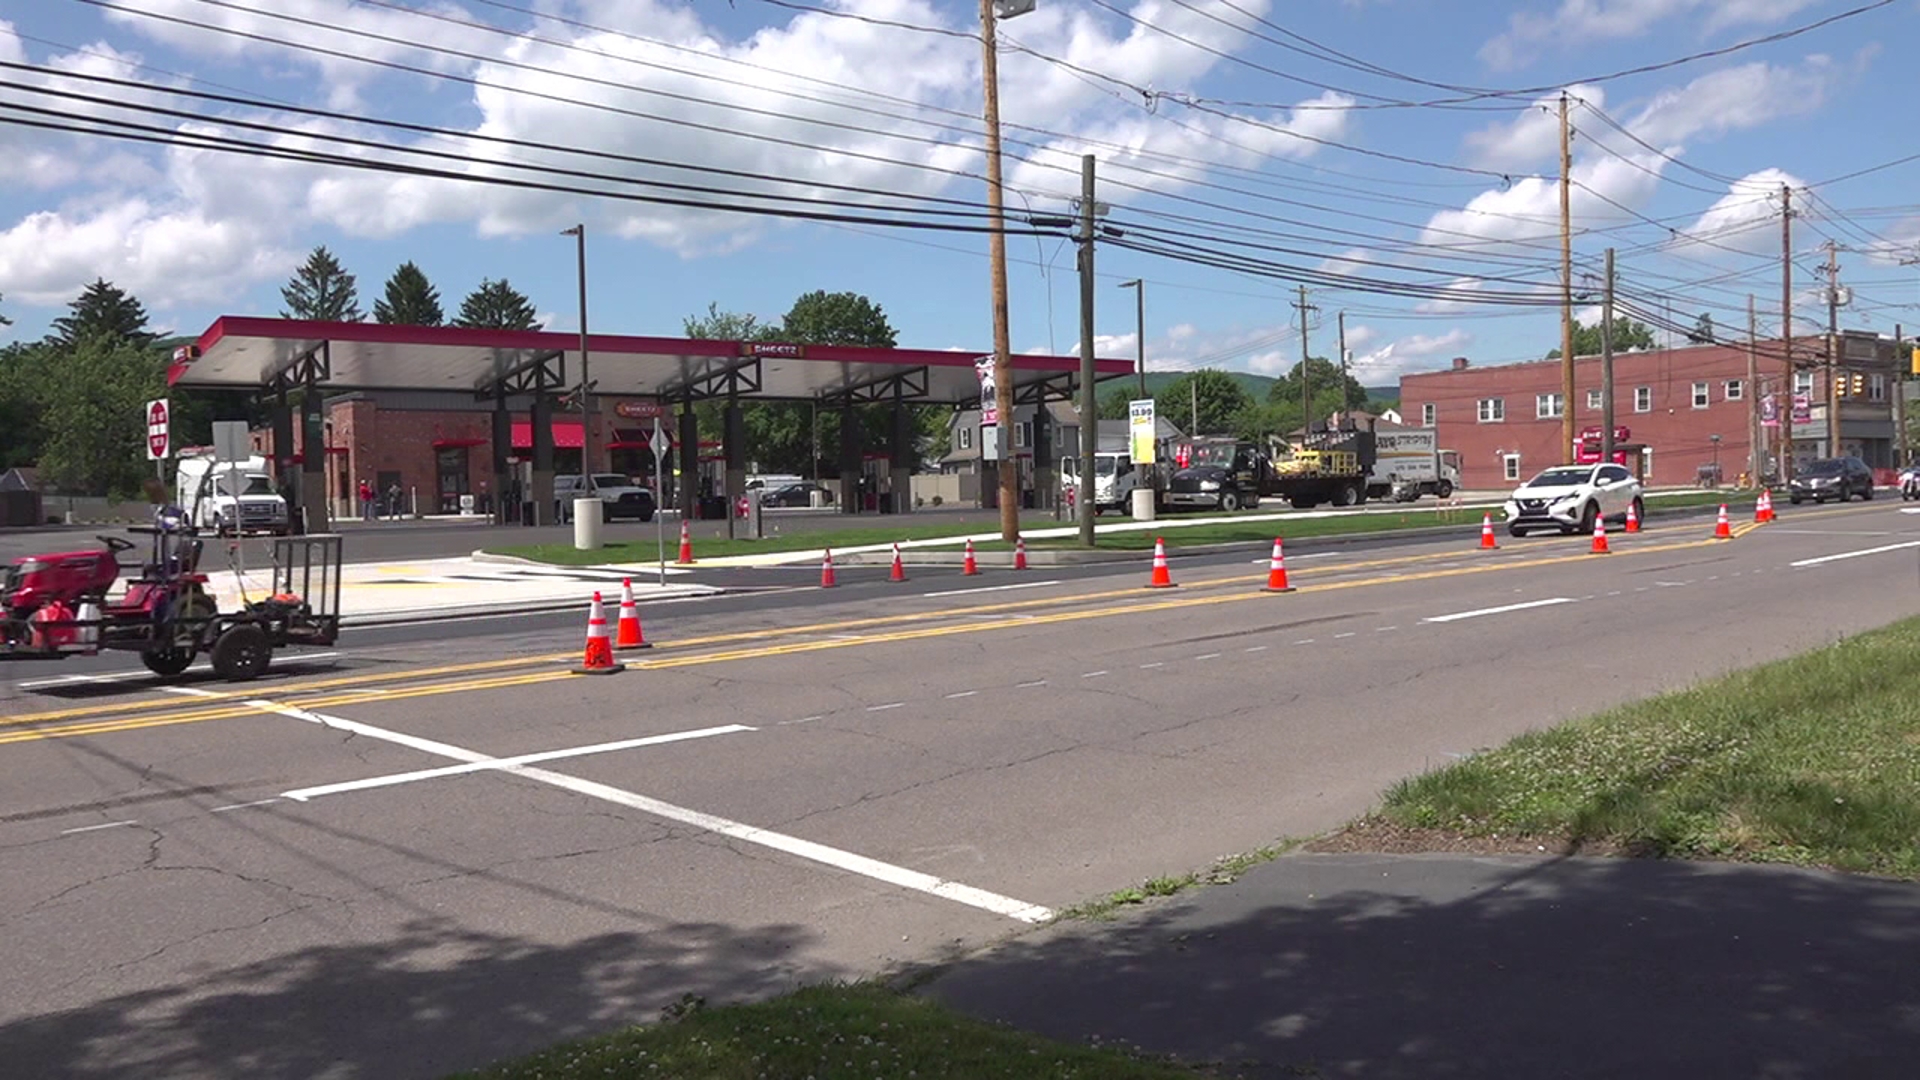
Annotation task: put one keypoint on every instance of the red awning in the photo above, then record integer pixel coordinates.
(565, 436)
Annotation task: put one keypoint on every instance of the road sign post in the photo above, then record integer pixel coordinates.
(159, 438)
(658, 444)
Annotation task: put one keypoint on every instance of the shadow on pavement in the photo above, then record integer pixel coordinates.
(1441, 966)
(431, 1000)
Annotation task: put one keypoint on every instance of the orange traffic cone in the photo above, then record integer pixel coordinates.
(1486, 533)
(1633, 520)
(1600, 537)
(1162, 577)
(599, 654)
(969, 566)
(1763, 508)
(628, 634)
(1019, 553)
(1277, 570)
(1721, 530)
(826, 569)
(686, 544)
(899, 571)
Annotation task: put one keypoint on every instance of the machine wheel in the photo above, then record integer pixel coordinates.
(1229, 501)
(1348, 495)
(1301, 502)
(1867, 495)
(1515, 530)
(167, 662)
(242, 653)
(1588, 515)
(1444, 489)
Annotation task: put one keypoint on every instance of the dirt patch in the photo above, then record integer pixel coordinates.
(1380, 836)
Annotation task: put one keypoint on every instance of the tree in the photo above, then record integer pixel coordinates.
(411, 300)
(94, 426)
(843, 318)
(1702, 332)
(1116, 405)
(717, 325)
(1332, 391)
(496, 305)
(102, 311)
(1220, 401)
(1629, 335)
(22, 420)
(322, 291)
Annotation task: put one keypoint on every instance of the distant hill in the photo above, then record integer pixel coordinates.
(1254, 385)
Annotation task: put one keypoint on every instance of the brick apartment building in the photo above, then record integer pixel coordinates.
(1505, 421)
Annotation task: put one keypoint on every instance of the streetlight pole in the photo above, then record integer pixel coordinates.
(1140, 331)
(997, 249)
(579, 233)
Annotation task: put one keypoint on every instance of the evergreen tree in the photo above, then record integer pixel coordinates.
(103, 311)
(322, 291)
(496, 305)
(411, 300)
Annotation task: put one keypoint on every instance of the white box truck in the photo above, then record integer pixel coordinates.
(229, 497)
(1408, 463)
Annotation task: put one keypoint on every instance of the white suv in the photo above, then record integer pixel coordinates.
(619, 496)
(1571, 498)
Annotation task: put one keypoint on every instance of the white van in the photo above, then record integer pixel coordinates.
(1114, 479)
(229, 497)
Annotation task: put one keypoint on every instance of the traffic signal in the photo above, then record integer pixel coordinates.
(1916, 360)
(1858, 384)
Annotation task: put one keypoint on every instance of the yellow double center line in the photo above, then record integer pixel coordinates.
(353, 689)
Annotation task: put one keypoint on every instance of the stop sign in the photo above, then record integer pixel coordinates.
(157, 437)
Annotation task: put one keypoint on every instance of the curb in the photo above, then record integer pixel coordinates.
(535, 607)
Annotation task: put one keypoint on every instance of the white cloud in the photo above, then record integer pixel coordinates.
(1734, 99)
(1735, 219)
(1394, 359)
(164, 256)
(1531, 139)
(1580, 23)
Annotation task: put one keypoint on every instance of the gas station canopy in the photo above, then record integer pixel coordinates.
(240, 352)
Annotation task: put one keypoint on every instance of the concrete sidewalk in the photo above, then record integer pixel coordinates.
(1461, 966)
(375, 593)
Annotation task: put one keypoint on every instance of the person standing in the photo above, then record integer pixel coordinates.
(366, 500)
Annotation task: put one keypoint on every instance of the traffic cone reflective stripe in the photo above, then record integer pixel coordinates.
(969, 566)
(686, 543)
(1162, 577)
(1600, 537)
(1633, 520)
(899, 571)
(1763, 508)
(1020, 553)
(1722, 530)
(628, 634)
(826, 570)
(599, 652)
(1486, 533)
(1277, 570)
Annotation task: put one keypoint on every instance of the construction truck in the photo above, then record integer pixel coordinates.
(1221, 472)
(1408, 464)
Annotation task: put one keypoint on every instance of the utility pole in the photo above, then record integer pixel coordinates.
(587, 463)
(1566, 287)
(1343, 362)
(1899, 400)
(1139, 331)
(1785, 413)
(1306, 383)
(1606, 369)
(1089, 401)
(1833, 348)
(997, 248)
(1755, 454)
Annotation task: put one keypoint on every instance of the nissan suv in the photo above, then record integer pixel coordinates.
(1570, 498)
(1831, 478)
(619, 496)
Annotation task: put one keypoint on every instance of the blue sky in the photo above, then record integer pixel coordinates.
(1301, 136)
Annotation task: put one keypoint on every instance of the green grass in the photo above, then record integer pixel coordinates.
(1220, 873)
(1814, 760)
(1177, 535)
(829, 1033)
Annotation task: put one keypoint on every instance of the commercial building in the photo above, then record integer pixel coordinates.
(1686, 411)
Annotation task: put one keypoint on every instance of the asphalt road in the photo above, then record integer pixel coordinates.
(350, 870)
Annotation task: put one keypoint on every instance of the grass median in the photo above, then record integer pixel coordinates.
(829, 1033)
(1257, 526)
(1813, 760)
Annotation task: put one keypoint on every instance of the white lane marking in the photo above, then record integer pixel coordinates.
(1855, 554)
(1030, 685)
(1154, 664)
(243, 805)
(962, 693)
(805, 849)
(990, 588)
(122, 676)
(1093, 674)
(1672, 584)
(1348, 634)
(1498, 610)
(888, 705)
(389, 780)
(1304, 641)
(191, 691)
(1615, 592)
(1255, 648)
(1208, 656)
(96, 828)
(1384, 629)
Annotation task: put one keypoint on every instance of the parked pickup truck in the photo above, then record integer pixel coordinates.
(619, 496)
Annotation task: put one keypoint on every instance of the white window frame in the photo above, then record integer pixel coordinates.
(1876, 386)
(1428, 414)
(1492, 410)
(1549, 406)
(1593, 401)
(1803, 383)
(1702, 395)
(1023, 433)
(966, 436)
(1643, 399)
(1511, 464)
(1735, 390)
